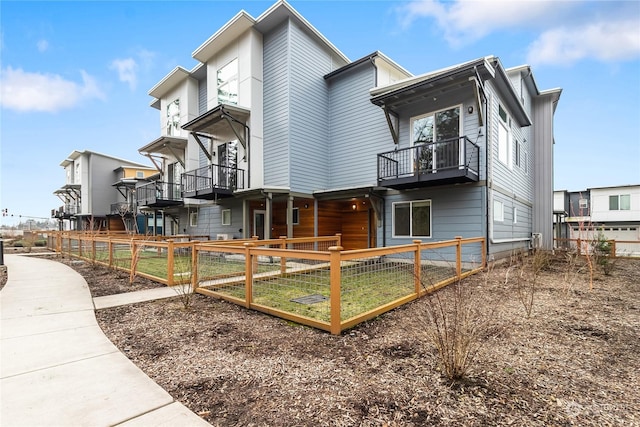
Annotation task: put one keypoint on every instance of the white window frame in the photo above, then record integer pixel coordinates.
(583, 203)
(193, 219)
(515, 214)
(461, 145)
(504, 139)
(295, 216)
(498, 211)
(139, 174)
(410, 203)
(231, 81)
(226, 216)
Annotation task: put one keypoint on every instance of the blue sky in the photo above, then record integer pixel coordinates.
(74, 75)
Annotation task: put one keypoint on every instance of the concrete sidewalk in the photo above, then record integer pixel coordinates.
(57, 368)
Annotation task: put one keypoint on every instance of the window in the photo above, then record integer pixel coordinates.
(498, 211)
(516, 156)
(515, 215)
(296, 216)
(139, 174)
(620, 202)
(504, 149)
(583, 203)
(193, 219)
(412, 219)
(173, 118)
(440, 126)
(228, 83)
(226, 217)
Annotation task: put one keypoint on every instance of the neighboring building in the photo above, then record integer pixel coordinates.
(98, 193)
(612, 211)
(276, 133)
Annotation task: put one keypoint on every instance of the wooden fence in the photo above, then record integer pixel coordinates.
(311, 281)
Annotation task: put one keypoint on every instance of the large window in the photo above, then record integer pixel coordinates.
(504, 148)
(173, 118)
(441, 126)
(412, 219)
(228, 83)
(620, 202)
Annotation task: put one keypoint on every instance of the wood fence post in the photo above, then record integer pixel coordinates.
(459, 257)
(417, 268)
(194, 266)
(612, 251)
(170, 261)
(248, 274)
(283, 260)
(334, 289)
(110, 249)
(339, 239)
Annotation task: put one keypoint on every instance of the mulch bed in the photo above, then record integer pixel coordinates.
(574, 361)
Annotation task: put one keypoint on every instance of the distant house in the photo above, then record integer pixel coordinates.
(612, 211)
(276, 133)
(98, 192)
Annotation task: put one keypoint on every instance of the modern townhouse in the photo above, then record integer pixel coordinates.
(612, 211)
(276, 133)
(99, 192)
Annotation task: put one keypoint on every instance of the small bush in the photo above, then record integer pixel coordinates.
(41, 243)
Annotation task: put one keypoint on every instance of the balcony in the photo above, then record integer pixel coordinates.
(159, 194)
(65, 212)
(213, 181)
(449, 161)
(122, 208)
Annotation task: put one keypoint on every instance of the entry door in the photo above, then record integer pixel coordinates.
(258, 223)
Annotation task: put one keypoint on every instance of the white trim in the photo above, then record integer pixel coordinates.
(410, 203)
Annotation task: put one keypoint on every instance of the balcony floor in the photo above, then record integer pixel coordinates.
(427, 179)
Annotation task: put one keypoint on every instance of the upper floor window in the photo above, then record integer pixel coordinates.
(504, 148)
(583, 203)
(173, 118)
(228, 83)
(139, 174)
(620, 202)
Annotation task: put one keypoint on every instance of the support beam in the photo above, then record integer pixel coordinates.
(197, 136)
(390, 122)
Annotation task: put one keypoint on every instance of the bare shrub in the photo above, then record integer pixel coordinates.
(525, 273)
(457, 324)
(184, 288)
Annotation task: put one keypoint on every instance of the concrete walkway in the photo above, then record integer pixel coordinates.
(57, 368)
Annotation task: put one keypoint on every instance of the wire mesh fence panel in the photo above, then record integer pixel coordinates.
(121, 255)
(222, 271)
(101, 252)
(150, 259)
(74, 247)
(86, 248)
(304, 291)
(471, 256)
(182, 264)
(369, 283)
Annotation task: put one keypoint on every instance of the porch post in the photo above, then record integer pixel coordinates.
(335, 285)
(290, 216)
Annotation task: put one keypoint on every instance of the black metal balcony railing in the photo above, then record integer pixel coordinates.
(122, 208)
(213, 180)
(442, 162)
(158, 194)
(65, 211)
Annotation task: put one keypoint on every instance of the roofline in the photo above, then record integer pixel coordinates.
(169, 81)
(236, 20)
(76, 153)
(299, 17)
(364, 59)
(382, 92)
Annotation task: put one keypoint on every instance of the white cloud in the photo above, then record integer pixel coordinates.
(604, 41)
(42, 45)
(567, 31)
(126, 69)
(24, 91)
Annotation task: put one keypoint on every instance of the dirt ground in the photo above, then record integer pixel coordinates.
(573, 362)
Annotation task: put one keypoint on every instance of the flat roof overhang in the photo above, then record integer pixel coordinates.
(469, 76)
(166, 145)
(215, 120)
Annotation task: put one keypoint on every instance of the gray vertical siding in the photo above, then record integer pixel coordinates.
(210, 220)
(276, 109)
(358, 129)
(202, 108)
(309, 112)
